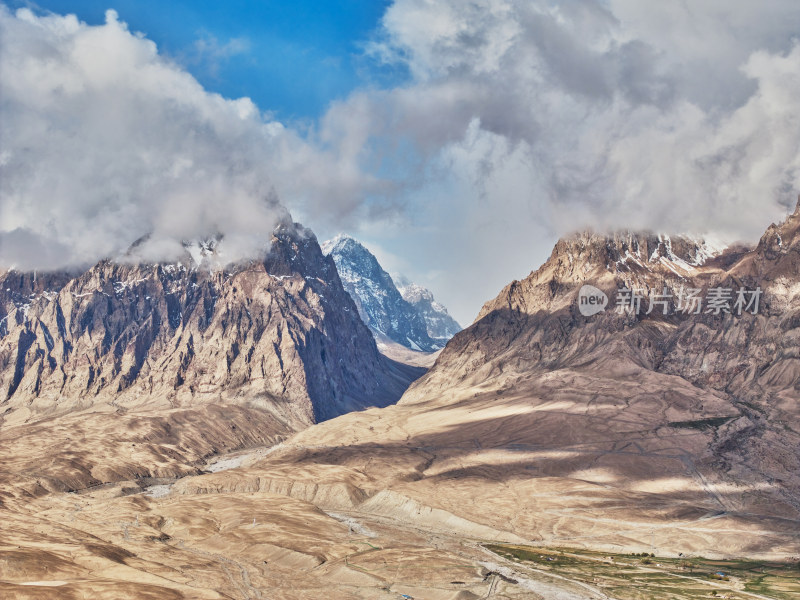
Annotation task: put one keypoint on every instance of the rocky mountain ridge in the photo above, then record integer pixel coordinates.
(280, 333)
(747, 361)
(666, 431)
(439, 323)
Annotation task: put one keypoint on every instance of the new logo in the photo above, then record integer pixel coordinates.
(591, 301)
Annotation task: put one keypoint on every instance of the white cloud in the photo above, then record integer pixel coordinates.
(606, 104)
(521, 120)
(105, 141)
(208, 45)
(533, 118)
(211, 53)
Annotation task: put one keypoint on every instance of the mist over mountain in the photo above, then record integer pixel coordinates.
(135, 146)
(649, 121)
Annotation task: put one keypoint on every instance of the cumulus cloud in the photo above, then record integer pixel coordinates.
(105, 141)
(520, 120)
(534, 118)
(677, 115)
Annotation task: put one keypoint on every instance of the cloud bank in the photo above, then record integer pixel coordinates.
(534, 118)
(521, 120)
(105, 141)
(669, 115)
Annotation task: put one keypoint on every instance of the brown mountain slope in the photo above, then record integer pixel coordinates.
(747, 363)
(157, 366)
(281, 333)
(662, 433)
(613, 431)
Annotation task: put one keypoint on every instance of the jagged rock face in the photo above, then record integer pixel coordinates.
(533, 331)
(379, 302)
(440, 325)
(281, 334)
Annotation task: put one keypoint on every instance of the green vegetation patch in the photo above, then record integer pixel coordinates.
(710, 423)
(647, 577)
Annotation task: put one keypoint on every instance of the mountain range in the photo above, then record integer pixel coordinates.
(267, 347)
(626, 429)
(663, 420)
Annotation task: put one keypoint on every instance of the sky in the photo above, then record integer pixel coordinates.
(457, 139)
(290, 58)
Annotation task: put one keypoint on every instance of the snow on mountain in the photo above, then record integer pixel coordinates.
(441, 326)
(416, 322)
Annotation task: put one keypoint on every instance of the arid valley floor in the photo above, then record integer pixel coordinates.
(540, 452)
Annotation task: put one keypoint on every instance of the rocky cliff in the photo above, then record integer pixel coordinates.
(735, 360)
(667, 427)
(735, 349)
(280, 334)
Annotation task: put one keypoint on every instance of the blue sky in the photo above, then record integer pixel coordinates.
(291, 58)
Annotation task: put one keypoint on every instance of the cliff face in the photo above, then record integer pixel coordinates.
(747, 355)
(280, 334)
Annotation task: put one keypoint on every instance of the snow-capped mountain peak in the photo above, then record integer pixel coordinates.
(408, 316)
(440, 325)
